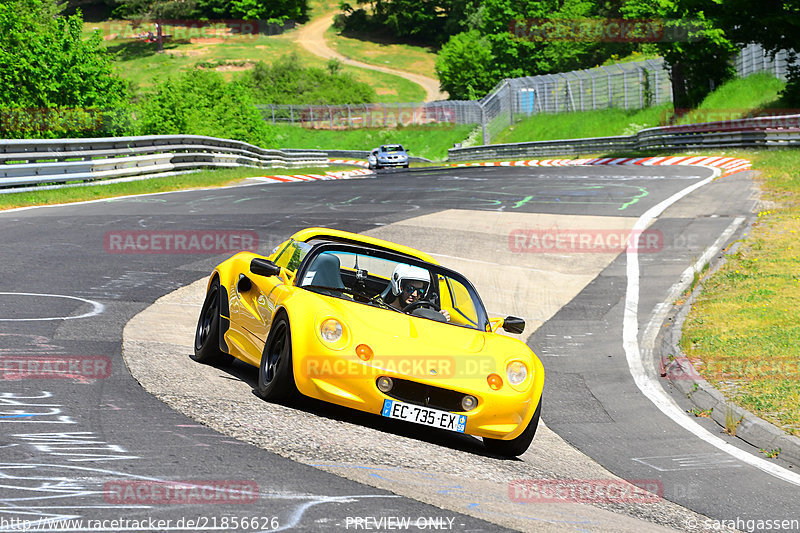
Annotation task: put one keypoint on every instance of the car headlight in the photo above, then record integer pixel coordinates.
(331, 330)
(517, 372)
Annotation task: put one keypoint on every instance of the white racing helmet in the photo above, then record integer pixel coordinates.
(404, 272)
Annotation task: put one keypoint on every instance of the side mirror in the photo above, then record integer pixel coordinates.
(513, 324)
(264, 267)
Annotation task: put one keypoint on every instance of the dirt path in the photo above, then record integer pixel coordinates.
(312, 37)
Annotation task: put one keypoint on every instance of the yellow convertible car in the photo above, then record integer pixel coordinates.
(375, 326)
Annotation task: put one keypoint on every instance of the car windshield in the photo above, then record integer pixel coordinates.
(389, 281)
(393, 148)
(292, 255)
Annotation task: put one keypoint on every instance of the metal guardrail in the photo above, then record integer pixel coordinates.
(349, 154)
(44, 161)
(759, 132)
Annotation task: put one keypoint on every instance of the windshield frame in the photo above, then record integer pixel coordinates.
(483, 317)
(392, 148)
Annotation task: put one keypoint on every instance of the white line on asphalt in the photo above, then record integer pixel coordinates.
(644, 375)
(97, 307)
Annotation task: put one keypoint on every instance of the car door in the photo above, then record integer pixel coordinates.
(254, 299)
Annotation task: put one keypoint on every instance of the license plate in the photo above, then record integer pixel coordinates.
(424, 415)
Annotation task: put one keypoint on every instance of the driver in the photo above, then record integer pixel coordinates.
(409, 285)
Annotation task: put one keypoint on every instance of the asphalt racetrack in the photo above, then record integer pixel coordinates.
(96, 444)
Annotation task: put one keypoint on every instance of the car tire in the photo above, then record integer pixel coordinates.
(405, 166)
(206, 336)
(275, 373)
(517, 446)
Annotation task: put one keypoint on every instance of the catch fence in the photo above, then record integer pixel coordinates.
(383, 115)
(753, 59)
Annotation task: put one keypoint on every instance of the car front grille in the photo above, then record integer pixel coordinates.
(426, 395)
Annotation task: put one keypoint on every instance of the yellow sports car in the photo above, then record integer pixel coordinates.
(376, 326)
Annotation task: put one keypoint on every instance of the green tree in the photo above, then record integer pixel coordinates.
(775, 25)
(48, 67)
(271, 10)
(502, 54)
(421, 20)
(699, 63)
(465, 66)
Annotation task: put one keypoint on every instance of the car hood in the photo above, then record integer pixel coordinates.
(407, 346)
(399, 333)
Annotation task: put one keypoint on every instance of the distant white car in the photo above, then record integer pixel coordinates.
(388, 155)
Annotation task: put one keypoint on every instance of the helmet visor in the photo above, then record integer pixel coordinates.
(414, 286)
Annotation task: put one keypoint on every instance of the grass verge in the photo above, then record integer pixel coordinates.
(743, 333)
(600, 123)
(194, 180)
(430, 142)
(734, 99)
(383, 52)
(737, 98)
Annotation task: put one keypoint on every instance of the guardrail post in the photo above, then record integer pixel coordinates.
(291, 113)
(641, 89)
(349, 118)
(655, 86)
(484, 126)
(273, 114)
(625, 86)
(510, 103)
(330, 115)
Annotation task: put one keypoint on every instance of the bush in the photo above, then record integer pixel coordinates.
(200, 102)
(288, 82)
